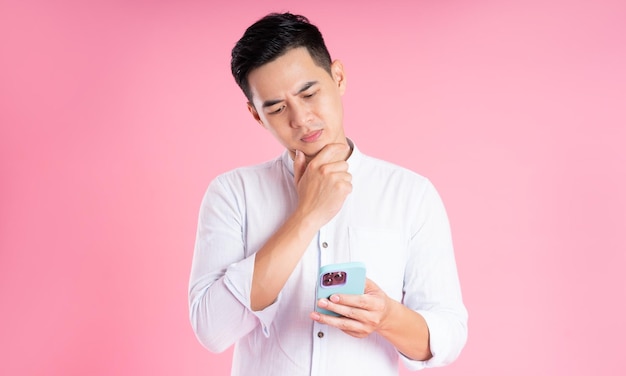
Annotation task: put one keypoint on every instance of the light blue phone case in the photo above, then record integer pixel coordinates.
(344, 278)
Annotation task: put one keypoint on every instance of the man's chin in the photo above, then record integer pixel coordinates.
(309, 152)
(312, 152)
(309, 156)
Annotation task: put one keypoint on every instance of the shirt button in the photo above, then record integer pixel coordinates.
(320, 334)
(325, 245)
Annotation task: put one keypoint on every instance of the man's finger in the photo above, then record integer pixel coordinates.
(299, 166)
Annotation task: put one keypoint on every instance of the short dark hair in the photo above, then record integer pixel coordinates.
(271, 37)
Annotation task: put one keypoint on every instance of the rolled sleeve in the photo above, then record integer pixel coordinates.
(238, 280)
(432, 284)
(221, 273)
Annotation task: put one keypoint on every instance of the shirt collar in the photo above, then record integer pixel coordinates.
(353, 160)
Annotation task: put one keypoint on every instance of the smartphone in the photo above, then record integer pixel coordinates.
(344, 278)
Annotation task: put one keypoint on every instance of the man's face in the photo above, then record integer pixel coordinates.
(299, 102)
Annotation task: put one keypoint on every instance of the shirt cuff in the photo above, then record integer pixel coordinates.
(238, 279)
(443, 343)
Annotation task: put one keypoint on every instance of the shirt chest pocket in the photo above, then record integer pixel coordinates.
(384, 253)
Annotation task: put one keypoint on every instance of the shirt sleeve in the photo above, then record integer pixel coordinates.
(221, 273)
(432, 285)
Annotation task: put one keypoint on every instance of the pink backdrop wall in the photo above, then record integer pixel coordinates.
(115, 115)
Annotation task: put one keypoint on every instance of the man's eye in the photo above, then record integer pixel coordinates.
(278, 110)
(310, 95)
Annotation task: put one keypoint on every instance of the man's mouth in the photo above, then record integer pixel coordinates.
(312, 137)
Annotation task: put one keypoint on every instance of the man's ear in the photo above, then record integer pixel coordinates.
(255, 114)
(339, 75)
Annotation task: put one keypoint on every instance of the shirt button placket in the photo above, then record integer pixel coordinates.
(324, 245)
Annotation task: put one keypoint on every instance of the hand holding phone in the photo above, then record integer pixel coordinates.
(344, 278)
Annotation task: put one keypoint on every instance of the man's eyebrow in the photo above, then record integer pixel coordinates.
(271, 102)
(305, 87)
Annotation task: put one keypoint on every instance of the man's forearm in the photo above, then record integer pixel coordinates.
(407, 331)
(275, 262)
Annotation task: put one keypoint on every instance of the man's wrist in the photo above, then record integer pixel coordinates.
(306, 223)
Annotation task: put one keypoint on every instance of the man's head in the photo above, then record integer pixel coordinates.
(271, 37)
(293, 89)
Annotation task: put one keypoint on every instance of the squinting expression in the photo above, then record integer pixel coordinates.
(299, 102)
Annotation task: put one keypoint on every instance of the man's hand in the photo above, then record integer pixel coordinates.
(324, 183)
(374, 311)
(362, 314)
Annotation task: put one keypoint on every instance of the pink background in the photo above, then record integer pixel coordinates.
(115, 115)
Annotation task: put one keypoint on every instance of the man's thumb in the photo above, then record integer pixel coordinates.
(299, 166)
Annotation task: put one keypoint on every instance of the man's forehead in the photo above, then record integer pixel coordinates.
(288, 73)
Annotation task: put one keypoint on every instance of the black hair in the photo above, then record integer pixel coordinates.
(271, 37)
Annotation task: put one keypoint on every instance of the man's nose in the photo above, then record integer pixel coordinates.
(300, 116)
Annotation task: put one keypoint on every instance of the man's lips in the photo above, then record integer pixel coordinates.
(312, 137)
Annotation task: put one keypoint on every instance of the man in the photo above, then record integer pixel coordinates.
(265, 230)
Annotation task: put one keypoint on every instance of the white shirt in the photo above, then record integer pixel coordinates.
(393, 221)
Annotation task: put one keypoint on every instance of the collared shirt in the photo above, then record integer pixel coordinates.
(393, 221)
